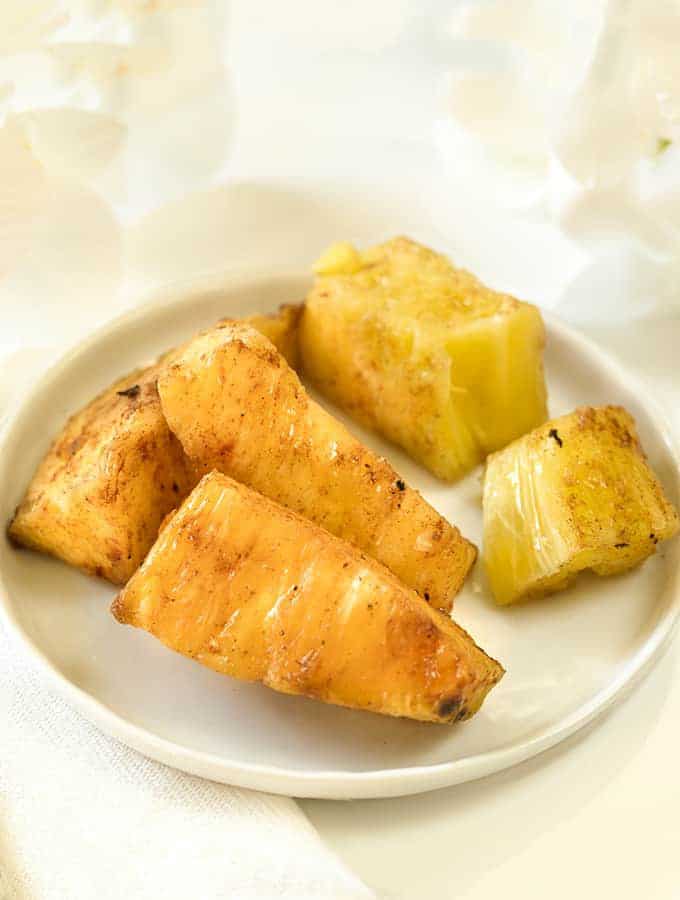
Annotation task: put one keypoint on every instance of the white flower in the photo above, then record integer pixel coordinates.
(107, 111)
(569, 113)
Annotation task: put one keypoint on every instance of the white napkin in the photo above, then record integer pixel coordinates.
(82, 816)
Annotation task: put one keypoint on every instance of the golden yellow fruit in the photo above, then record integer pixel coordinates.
(101, 492)
(281, 329)
(576, 493)
(424, 353)
(237, 407)
(252, 590)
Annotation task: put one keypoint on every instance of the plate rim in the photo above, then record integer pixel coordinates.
(334, 784)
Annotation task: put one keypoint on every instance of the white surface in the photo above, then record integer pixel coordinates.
(594, 817)
(567, 658)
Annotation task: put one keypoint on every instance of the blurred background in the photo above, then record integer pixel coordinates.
(145, 140)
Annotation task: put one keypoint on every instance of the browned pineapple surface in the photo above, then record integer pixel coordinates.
(254, 591)
(236, 406)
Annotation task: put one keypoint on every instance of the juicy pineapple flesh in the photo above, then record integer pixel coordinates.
(424, 353)
(235, 406)
(577, 493)
(254, 591)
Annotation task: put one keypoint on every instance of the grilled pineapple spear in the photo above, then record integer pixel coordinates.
(575, 494)
(424, 353)
(252, 590)
(114, 472)
(237, 407)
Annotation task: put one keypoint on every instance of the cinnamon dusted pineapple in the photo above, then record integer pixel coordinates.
(101, 492)
(254, 591)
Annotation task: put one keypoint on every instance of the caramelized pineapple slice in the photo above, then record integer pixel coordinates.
(281, 329)
(252, 590)
(424, 353)
(101, 492)
(575, 494)
(237, 407)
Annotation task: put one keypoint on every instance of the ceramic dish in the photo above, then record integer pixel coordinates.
(568, 657)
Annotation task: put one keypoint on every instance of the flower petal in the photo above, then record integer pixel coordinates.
(67, 280)
(73, 142)
(24, 194)
(24, 25)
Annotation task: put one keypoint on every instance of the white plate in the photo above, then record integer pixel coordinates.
(567, 658)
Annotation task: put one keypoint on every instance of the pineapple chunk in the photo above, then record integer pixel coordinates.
(237, 407)
(424, 353)
(577, 493)
(101, 492)
(254, 591)
(281, 329)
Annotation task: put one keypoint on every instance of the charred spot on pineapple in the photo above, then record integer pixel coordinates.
(14, 541)
(450, 707)
(621, 546)
(131, 392)
(554, 434)
(401, 486)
